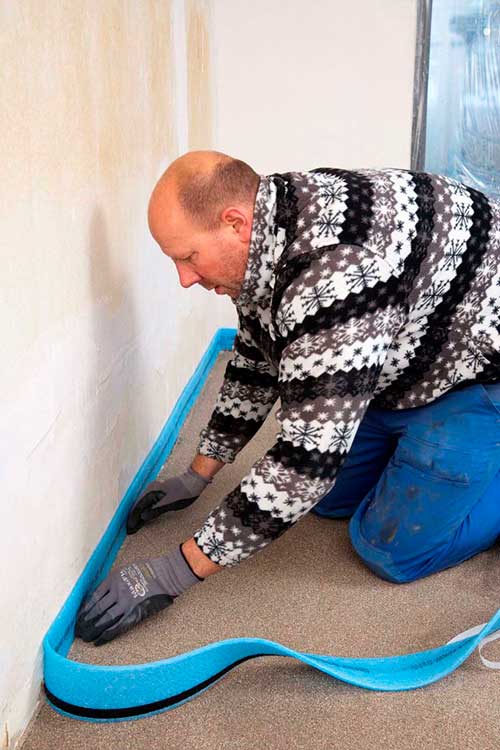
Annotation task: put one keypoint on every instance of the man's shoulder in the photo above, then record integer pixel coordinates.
(322, 175)
(312, 192)
(361, 176)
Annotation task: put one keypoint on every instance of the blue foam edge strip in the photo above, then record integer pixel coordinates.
(60, 634)
(141, 690)
(173, 681)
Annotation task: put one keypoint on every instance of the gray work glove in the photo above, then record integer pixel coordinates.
(159, 497)
(130, 594)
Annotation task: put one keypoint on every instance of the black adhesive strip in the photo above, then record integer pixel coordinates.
(118, 713)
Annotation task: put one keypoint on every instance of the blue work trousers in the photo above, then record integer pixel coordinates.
(422, 486)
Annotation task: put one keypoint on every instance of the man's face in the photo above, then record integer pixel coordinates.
(216, 259)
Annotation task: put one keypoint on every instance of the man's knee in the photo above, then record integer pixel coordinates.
(389, 571)
(384, 558)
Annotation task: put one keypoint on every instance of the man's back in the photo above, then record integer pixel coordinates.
(440, 243)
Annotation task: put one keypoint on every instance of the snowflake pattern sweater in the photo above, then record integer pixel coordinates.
(366, 287)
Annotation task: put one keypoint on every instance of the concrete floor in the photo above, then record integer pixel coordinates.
(309, 591)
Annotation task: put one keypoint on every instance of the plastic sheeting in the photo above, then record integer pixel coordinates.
(462, 138)
(420, 84)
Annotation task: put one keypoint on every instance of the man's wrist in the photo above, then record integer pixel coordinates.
(206, 467)
(200, 564)
(187, 564)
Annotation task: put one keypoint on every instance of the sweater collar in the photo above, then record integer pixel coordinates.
(265, 247)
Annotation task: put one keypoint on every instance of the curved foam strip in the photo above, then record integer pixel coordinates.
(114, 693)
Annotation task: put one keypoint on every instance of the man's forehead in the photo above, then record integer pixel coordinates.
(164, 218)
(166, 236)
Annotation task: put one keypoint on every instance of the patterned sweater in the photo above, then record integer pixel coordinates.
(366, 287)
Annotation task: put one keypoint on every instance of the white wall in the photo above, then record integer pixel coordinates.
(324, 83)
(98, 337)
(95, 101)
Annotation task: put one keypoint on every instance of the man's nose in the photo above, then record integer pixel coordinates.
(187, 278)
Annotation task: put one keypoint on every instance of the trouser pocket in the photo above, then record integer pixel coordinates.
(424, 495)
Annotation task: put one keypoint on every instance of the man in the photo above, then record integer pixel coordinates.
(369, 303)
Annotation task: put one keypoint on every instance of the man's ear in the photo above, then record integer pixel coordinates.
(240, 220)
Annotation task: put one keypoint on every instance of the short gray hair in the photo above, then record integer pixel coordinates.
(204, 195)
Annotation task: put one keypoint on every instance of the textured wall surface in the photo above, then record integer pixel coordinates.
(199, 74)
(94, 323)
(328, 83)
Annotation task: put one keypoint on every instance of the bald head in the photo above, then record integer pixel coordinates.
(204, 183)
(201, 215)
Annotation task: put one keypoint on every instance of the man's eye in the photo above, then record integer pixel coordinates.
(188, 257)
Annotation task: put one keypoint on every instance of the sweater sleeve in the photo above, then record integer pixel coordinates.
(246, 396)
(336, 321)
